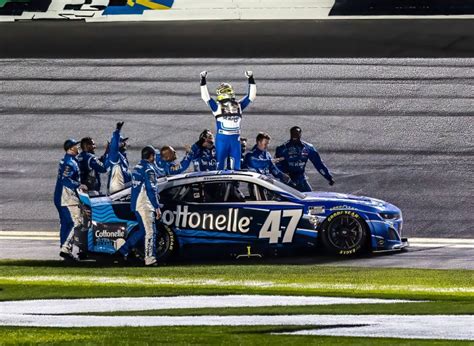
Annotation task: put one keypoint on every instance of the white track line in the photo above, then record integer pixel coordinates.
(68, 306)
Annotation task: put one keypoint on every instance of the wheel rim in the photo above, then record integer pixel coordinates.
(162, 243)
(345, 232)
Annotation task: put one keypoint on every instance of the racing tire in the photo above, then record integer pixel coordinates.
(345, 233)
(166, 243)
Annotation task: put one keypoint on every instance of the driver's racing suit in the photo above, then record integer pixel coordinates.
(144, 202)
(296, 155)
(67, 202)
(228, 114)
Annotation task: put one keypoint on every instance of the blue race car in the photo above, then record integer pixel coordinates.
(245, 214)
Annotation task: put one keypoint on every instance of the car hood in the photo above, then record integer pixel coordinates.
(345, 198)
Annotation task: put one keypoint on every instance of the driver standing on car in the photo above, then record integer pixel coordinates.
(259, 159)
(295, 154)
(145, 204)
(228, 114)
(117, 161)
(66, 199)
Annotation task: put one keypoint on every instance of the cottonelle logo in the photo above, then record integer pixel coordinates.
(108, 234)
(230, 222)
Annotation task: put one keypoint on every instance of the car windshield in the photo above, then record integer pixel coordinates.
(284, 187)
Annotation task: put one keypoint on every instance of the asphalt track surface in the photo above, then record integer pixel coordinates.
(399, 130)
(441, 257)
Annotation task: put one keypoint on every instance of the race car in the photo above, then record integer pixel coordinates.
(245, 214)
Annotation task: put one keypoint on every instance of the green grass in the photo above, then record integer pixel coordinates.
(448, 292)
(52, 279)
(429, 308)
(192, 335)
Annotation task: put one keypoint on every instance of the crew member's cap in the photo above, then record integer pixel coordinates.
(69, 143)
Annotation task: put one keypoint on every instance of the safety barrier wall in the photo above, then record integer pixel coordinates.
(173, 10)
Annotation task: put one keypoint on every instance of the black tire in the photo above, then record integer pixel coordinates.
(345, 233)
(166, 242)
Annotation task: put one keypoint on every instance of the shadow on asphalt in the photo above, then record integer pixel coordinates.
(295, 260)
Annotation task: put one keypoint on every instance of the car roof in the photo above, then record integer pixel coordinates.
(215, 174)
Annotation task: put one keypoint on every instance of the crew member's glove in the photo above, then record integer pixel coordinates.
(277, 159)
(249, 75)
(203, 77)
(119, 125)
(331, 182)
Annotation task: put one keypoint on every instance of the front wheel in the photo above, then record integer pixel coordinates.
(166, 242)
(345, 233)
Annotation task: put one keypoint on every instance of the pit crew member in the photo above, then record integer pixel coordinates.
(117, 162)
(145, 205)
(259, 159)
(90, 166)
(228, 114)
(66, 199)
(166, 162)
(295, 154)
(202, 153)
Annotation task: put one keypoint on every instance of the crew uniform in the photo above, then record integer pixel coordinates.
(296, 154)
(165, 168)
(117, 164)
(91, 167)
(144, 203)
(261, 162)
(228, 114)
(66, 201)
(203, 159)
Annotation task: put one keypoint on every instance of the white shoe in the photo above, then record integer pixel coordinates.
(150, 261)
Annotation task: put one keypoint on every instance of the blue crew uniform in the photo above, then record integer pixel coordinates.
(228, 115)
(90, 167)
(260, 161)
(144, 202)
(67, 202)
(296, 154)
(117, 164)
(203, 159)
(165, 168)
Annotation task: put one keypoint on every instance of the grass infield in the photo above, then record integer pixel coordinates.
(261, 335)
(448, 292)
(53, 279)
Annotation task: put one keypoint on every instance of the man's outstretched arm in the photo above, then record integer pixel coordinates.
(205, 93)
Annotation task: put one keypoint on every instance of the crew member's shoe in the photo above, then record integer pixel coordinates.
(151, 262)
(67, 255)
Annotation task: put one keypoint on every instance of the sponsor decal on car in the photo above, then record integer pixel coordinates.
(230, 222)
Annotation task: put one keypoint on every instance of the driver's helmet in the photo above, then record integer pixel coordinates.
(225, 92)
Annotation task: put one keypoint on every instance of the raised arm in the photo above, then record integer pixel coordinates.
(205, 93)
(113, 156)
(251, 93)
(319, 164)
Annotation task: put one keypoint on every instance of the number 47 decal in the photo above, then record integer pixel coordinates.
(271, 229)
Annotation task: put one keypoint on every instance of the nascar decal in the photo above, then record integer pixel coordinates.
(269, 225)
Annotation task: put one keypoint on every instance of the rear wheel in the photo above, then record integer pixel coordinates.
(166, 242)
(345, 233)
